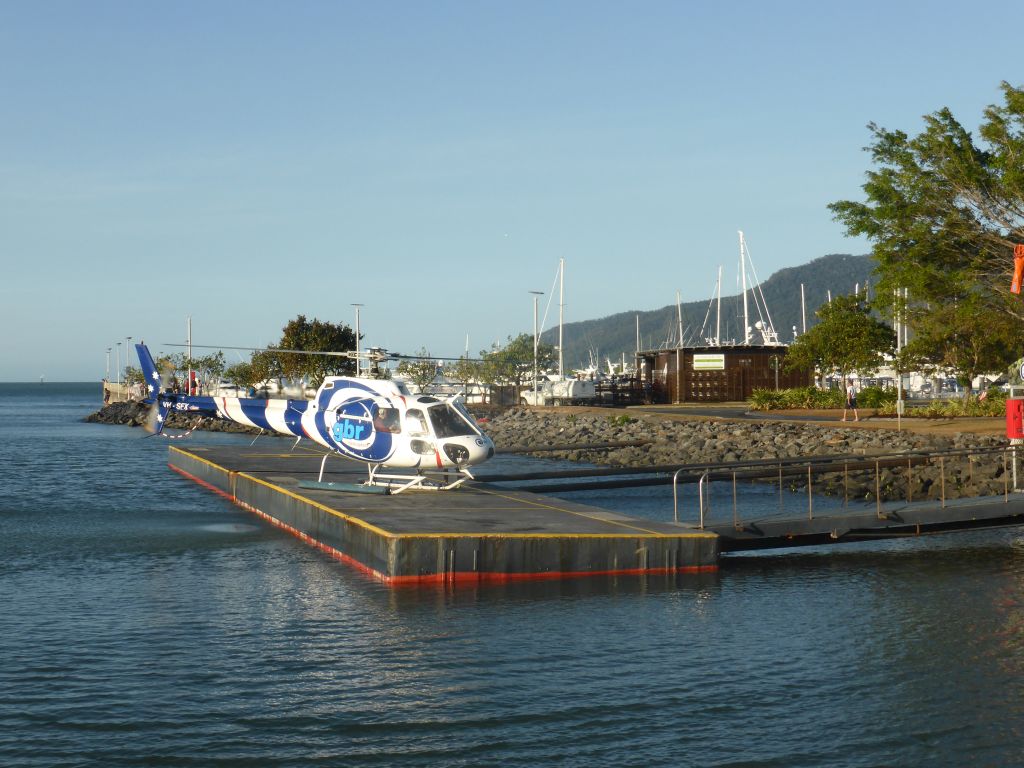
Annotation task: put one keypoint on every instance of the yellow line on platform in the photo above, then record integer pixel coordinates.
(324, 507)
(306, 455)
(513, 535)
(200, 459)
(573, 512)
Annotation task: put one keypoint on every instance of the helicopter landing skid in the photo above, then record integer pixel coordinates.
(398, 483)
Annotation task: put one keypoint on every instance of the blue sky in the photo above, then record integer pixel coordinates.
(245, 162)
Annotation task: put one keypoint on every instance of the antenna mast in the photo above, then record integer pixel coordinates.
(803, 309)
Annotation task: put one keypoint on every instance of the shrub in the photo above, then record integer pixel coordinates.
(812, 397)
(876, 397)
(992, 403)
(800, 397)
(767, 400)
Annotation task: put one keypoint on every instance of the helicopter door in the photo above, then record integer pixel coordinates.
(415, 423)
(416, 426)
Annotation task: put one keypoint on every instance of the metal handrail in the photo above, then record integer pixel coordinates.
(872, 465)
(700, 496)
(675, 493)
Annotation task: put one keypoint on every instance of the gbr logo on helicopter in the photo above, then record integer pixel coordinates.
(350, 416)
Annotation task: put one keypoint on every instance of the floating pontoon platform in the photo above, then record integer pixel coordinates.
(475, 533)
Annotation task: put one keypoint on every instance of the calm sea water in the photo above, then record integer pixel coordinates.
(145, 621)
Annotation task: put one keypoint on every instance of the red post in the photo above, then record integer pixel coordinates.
(1015, 418)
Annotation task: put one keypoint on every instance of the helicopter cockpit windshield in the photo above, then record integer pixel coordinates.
(449, 420)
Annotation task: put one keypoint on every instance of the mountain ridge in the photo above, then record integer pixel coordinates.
(612, 336)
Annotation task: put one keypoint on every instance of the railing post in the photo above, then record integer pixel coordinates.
(942, 480)
(846, 484)
(810, 495)
(735, 515)
(700, 494)
(878, 491)
(910, 487)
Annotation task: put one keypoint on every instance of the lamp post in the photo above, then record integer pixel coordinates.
(536, 296)
(127, 346)
(357, 306)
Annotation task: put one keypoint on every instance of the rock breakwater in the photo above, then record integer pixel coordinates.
(669, 441)
(134, 414)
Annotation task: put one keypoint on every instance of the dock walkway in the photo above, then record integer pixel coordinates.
(914, 519)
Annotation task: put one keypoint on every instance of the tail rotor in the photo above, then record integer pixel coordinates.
(156, 419)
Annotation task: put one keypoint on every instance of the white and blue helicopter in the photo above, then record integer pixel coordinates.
(401, 437)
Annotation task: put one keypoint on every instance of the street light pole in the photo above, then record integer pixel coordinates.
(357, 306)
(127, 346)
(536, 296)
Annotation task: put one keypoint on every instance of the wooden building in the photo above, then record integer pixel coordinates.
(715, 374)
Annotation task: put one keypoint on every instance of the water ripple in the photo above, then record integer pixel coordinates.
(144, 621)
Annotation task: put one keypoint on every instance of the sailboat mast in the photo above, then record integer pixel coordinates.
(561, 309)
(718, 313)
(679, 319)
(743, 273)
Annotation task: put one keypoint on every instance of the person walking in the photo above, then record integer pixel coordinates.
(851, 400)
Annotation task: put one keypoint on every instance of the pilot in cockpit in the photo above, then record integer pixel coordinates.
(386, 420)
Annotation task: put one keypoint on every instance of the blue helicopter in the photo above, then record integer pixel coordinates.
(401, 437)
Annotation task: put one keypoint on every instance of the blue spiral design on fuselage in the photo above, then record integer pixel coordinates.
(256, 412)
(363, 408)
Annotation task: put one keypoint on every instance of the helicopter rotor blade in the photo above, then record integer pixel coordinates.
(329, 353)
(373, 354)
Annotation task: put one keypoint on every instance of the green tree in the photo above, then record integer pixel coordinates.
(243, 374)
(464, 370)
(421, 371)
(513, 363)
(943, 215)
(847, 339)
(133, 376)
(266, 366)
(314, 335)
(982, 341)
(208, 368)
